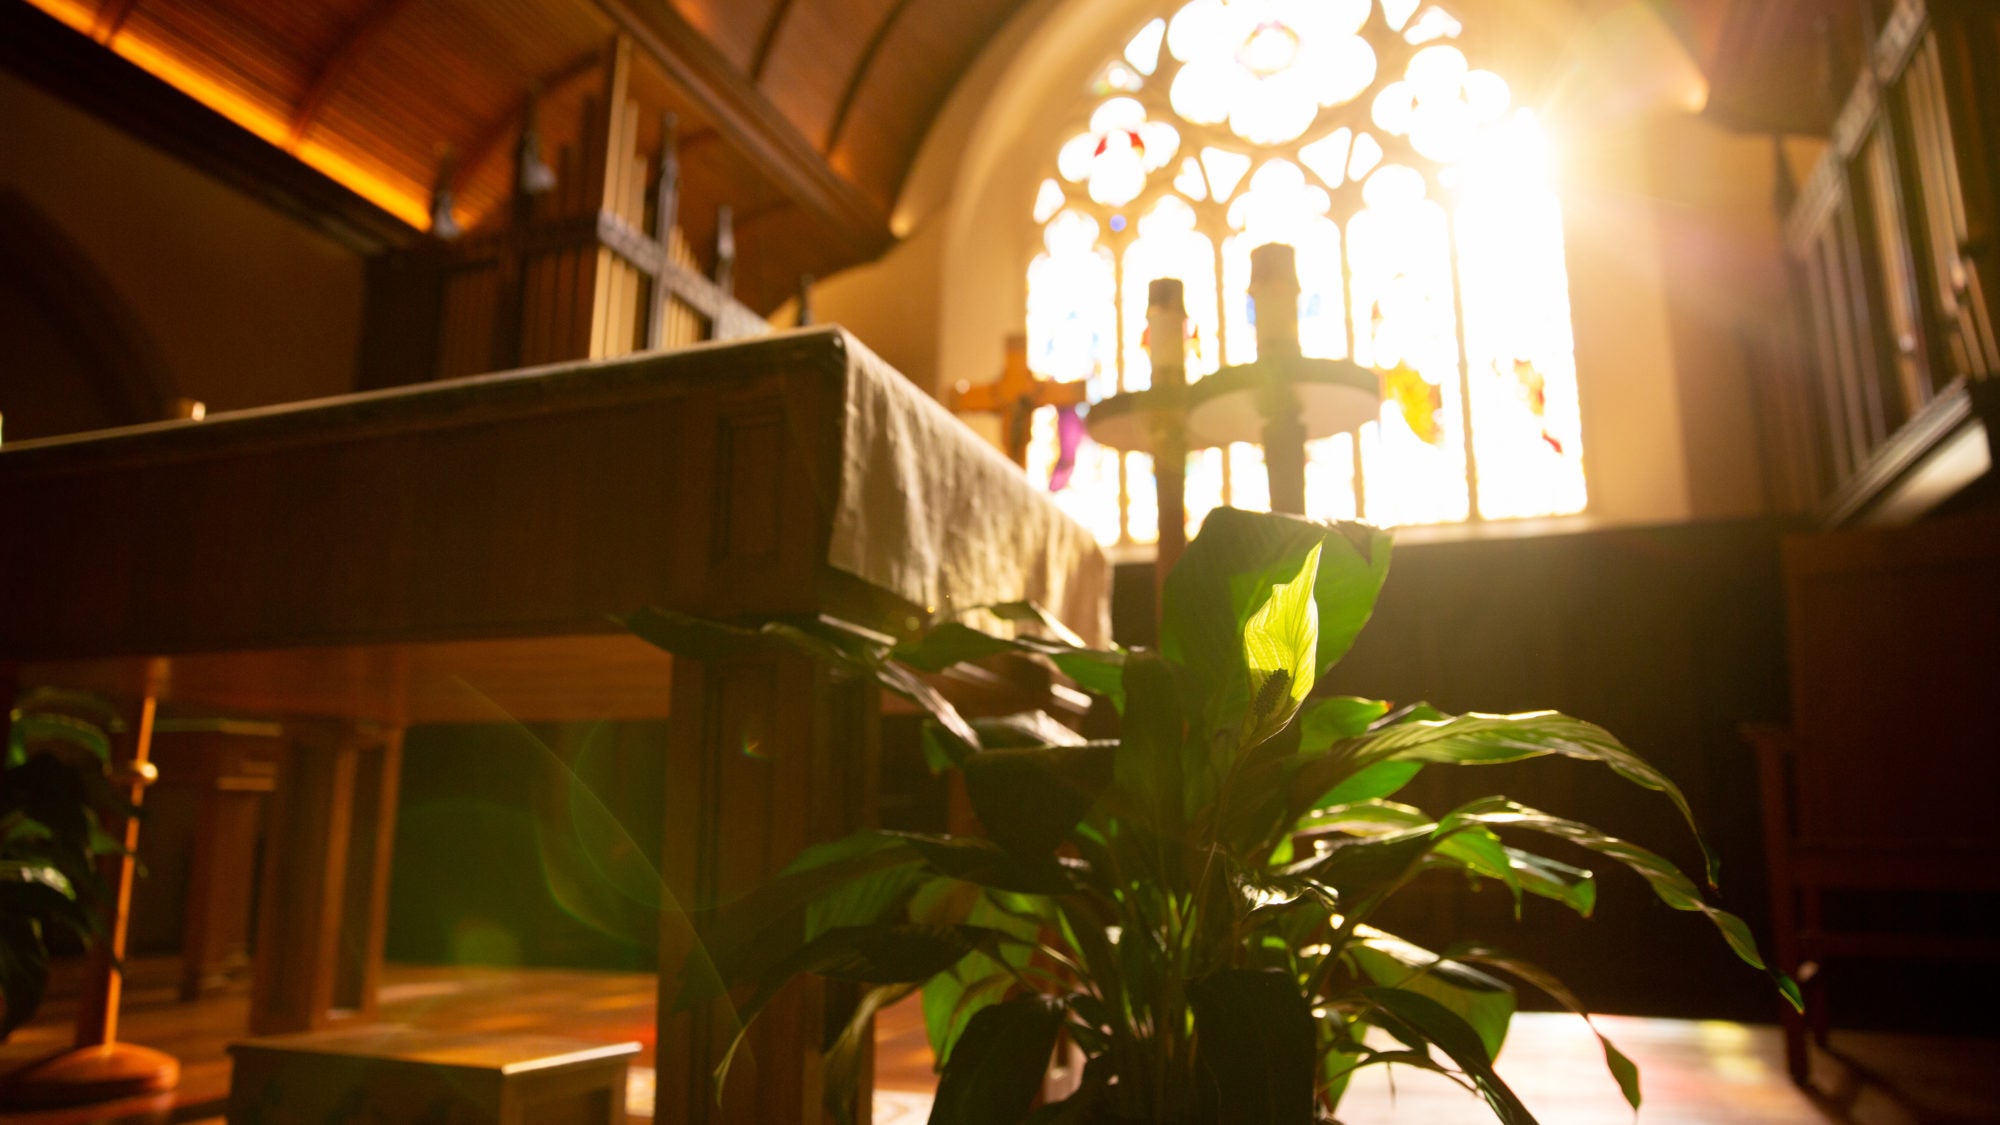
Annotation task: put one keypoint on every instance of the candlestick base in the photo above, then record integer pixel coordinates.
(91, 1074)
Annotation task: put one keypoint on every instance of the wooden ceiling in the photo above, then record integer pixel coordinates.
(1778, 66)
(804, 115)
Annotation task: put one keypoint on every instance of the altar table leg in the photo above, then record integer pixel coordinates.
(325, 894)
(765, 756)
(233, 775)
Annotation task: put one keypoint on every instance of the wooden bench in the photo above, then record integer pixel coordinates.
(390, 1073)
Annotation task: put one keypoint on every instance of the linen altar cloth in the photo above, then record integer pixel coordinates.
(934, 514)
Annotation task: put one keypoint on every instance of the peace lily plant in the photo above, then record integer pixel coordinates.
(1189, 905)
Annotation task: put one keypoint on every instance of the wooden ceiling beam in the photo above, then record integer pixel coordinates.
(50, 54)
(500, 129)
(753, 126)
(768, 38)
(339, 63)
(861, 67)
(110, 19)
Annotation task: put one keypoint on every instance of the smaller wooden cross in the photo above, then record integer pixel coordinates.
(1014, 396)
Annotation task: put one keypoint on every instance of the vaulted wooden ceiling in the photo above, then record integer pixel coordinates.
(804, 115)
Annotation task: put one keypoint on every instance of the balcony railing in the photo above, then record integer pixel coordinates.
(1896, 269)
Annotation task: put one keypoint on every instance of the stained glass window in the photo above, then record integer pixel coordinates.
(1427, 233)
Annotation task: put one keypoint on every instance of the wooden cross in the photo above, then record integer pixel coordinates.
(1014, 396)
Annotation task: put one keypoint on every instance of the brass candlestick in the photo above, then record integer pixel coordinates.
(1282, 399)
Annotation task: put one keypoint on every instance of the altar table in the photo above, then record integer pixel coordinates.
(459, 551)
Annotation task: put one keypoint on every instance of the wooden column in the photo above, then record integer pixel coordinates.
(325, 897)
(766, 755)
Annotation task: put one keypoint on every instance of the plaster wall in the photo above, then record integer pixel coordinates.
(243, 306)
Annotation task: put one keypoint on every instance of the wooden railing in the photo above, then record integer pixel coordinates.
(1896, 269)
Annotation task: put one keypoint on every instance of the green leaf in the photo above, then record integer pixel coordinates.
(1351, 571)
(1379, 780)
(1479, 851)
(1475, 739)
(1668, 883)
(1326, 721)
(1254, 1036)
(1406, 1013)
(951, 643)
(841, 1065)
(1360, 869)
(745, 939)
(1336, 1070)
(1028, 613)
(1147, 764)
(1623, 1070)
(41, 728)
(1029, 799)
(1024, 729)
(868, 900)
(903, 953)
(893, 953)
(1279, 643)
(1484, 1003)
(954, 996)
(699, 638)
(1100, 673)
(1574, 887)
(979, 860)
(1367, 818)
(1226, 574)
(955, 642)
(997, 1068)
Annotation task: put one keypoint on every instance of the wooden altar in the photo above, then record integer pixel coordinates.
(458, 551)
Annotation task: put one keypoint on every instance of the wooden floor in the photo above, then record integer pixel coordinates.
(1694, 1073)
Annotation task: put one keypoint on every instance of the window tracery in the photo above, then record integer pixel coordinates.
(1428, 240)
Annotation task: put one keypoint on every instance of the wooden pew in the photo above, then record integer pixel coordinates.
(457, 551)
(1883, 783)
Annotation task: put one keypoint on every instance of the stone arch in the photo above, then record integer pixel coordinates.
(73, 355)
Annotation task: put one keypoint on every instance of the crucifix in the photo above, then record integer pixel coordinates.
(1014, 396)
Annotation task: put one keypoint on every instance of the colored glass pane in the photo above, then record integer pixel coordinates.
(1392, 134)
(1143, 52)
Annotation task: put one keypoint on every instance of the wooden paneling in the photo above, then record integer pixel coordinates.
(204, 548)
(750, 810)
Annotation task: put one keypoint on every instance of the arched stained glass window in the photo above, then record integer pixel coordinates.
(1428, 241)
